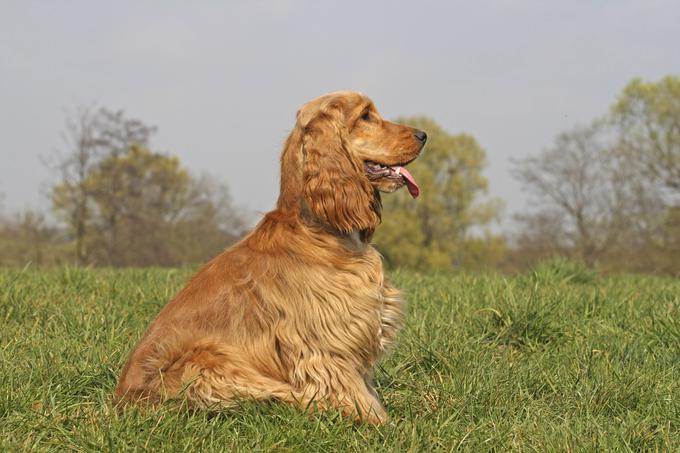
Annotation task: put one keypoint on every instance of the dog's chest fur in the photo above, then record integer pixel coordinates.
(351, 313)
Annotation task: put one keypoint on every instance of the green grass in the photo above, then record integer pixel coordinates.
(558, 359)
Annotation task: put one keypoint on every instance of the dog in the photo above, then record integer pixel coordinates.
(299, 310)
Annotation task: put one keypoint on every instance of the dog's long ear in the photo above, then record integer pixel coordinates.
(335, 189)
(291, 171)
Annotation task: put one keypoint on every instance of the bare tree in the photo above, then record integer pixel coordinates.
(584, 184)
(70, 197)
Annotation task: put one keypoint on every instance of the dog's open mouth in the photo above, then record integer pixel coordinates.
(375, 171)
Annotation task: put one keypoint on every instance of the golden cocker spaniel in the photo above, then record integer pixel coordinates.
(298, 310)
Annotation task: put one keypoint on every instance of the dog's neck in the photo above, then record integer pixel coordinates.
(355, 239)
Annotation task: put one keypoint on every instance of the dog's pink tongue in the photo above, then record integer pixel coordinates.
(411, 183)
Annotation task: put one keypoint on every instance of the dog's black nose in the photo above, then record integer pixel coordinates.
(420, 135)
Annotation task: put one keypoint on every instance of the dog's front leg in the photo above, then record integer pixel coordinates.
(336, 384)
(360, 401)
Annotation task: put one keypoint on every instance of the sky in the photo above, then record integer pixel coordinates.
(222, 80)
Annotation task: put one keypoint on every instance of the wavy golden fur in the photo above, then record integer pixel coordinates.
(299, 310)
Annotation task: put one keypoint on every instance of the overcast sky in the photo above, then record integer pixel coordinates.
(222, 80)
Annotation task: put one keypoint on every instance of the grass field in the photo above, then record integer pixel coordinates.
(558, 359)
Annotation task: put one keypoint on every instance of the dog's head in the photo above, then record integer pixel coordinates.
(340, 153)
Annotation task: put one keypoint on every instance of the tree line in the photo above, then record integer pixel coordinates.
(606, 193)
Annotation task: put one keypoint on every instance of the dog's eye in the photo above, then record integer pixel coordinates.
(366, 116)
